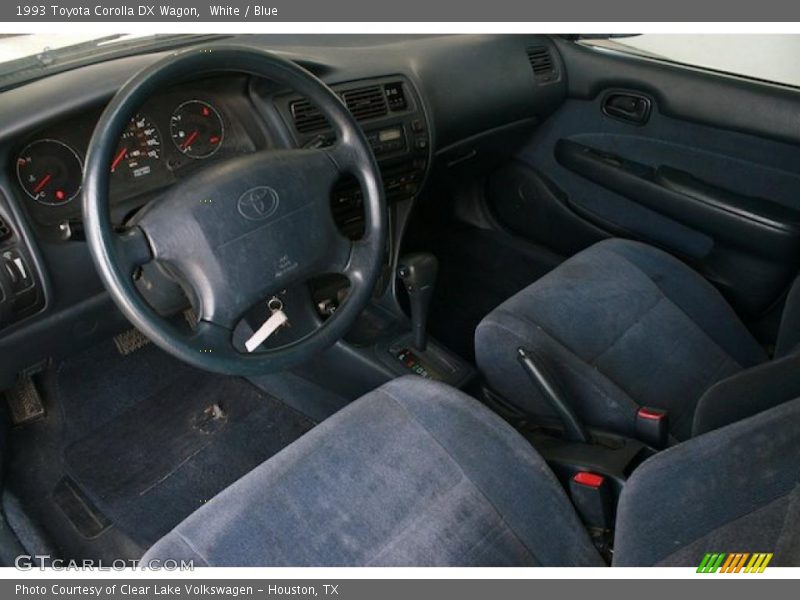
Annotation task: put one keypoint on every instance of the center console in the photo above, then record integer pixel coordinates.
(391, 115)
(592, 465)
(385, 343)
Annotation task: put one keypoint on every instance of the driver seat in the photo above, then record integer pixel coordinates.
(417, 473)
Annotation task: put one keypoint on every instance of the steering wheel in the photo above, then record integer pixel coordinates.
(239, 231)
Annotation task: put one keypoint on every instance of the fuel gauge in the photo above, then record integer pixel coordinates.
(50, 172)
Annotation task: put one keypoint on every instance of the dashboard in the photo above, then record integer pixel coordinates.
(437, 111)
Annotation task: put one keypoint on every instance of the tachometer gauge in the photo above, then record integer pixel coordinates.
(196, 128)
(50, 172)
(139, 148)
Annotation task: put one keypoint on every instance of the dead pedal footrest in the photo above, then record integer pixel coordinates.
(24, 401)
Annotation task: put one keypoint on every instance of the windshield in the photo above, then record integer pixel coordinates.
(28, 56)
(14, 47)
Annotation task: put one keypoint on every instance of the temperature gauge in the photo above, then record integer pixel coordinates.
(196, 128)
(50, 172)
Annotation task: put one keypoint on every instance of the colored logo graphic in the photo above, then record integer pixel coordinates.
(736, 562)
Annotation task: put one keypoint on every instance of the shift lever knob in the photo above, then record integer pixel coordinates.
(418, 274)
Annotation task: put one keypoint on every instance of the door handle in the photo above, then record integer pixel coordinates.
(627, 106)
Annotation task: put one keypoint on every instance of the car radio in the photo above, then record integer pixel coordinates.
(382, 141)
(390, 139)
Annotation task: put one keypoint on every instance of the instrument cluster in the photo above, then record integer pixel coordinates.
(171, 134)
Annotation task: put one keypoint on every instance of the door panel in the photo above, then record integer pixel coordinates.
(626, 162)
(760, 226)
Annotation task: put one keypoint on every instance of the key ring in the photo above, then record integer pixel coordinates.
(275, 304)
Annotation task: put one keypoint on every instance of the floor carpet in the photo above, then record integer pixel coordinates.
(133, 444)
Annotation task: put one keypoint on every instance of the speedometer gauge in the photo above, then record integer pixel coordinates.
(50, 172)
(139, 148)
(196, 128)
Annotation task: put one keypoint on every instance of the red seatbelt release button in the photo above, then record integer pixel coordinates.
(592, 498)
(588, 479)
(655, 414)
(652, 426)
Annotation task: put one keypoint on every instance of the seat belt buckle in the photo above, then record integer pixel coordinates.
(593, 499)
(652, 426)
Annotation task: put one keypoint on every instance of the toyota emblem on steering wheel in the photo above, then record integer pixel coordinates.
(258, 203)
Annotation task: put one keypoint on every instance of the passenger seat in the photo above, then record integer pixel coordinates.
(623, 325)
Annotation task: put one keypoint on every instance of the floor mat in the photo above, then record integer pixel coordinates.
(147, 439)
(170, 453)
(478, 269)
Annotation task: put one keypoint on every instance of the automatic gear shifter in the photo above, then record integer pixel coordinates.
(418, 273)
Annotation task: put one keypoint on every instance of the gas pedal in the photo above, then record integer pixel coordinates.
(25, 402)
(130, 341)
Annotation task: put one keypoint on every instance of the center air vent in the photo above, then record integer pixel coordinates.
(364, 103)
(544, 69)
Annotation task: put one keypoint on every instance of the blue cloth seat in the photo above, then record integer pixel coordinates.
(413, 473)
(417, 473)
(625, 325)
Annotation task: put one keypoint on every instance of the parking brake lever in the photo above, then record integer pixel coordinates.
(546, 382)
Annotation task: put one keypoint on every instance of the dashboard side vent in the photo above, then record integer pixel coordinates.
(366, 103)
(306, 116)
(5, 230)
(544, 69)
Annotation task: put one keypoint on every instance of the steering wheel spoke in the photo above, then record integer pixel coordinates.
(133, 249)
(345, 156)
(212, 339)
(350, 258)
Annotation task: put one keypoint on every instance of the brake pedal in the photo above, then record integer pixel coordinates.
(130, 341)
(24, 401)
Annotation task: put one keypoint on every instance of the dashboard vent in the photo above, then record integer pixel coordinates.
(307, 116)
(364, 103)
(5, 230)
(544, 69)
